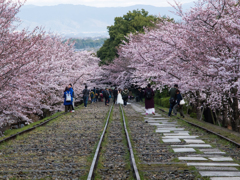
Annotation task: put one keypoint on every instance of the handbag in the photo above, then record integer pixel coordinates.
(182, 102)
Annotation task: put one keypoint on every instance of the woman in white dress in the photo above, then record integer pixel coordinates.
(119, 97)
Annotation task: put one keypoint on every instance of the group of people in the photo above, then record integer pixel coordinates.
(175, 101)
(121, 97)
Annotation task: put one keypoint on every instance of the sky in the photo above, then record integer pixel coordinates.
(105, 3)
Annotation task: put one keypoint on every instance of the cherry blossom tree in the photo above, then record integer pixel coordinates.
(36, 68)
(201, 54)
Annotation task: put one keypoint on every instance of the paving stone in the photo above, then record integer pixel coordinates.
(176, 134)
(210, 150)
(205, 155)
(193, 145)
(224, 178)
(217, 168)
(221, 159)
(180, 137)
(184, 150)
(171, 140)
(171, 129)
(214, 153)
(181, 131)
(197, 141)
(219, 173)
(192, 158)
(163, 131)
(213, 164)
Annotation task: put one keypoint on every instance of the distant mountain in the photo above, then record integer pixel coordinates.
(80, 20)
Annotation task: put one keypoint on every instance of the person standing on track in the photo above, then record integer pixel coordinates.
(68, 97)
(115, 94)
(85, 96)
(125, 93)
(149, 100)
(106, 96)
(173, 98)
(71, 89)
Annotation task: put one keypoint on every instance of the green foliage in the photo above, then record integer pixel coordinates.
(164, 102)
(132, 22)
(87, 43)
(193, 115)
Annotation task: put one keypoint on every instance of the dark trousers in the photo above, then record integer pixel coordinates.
(140, 99)
(106, 100)
(125, 102)
(68, 108)
(171, 108)
(114, 99)
(85, 99)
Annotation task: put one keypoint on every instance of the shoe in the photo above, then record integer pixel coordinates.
(146, 113)
(175, 114)
(169, 116)
(183, 116)
(73, 111)
(153, 113)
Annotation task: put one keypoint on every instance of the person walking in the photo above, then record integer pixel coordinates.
(125, 93)
(85, 96)
(130, 94)
(178, 106)
(149, 100)
(141, 94)
(68, 98)
(106, 96)
(71, 89)
(115, 94)
(92, 96)
(95, 92)
(173, 98)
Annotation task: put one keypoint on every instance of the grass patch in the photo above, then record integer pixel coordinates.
(103, 150)
(137, 160)
(11, 132)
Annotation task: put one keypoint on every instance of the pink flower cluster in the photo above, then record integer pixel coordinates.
(201, 54)
(35, 68)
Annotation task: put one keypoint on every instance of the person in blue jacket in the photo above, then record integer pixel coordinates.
(71, 89)
(68, 104)
(178, 105)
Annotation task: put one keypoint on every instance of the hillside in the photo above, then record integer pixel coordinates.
(80, 20)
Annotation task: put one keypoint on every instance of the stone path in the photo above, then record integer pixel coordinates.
(210, 162)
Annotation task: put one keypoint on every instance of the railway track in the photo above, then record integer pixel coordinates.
(112, 160)
(59, 150)
(101, 142)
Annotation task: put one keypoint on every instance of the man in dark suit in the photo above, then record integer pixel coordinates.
(115, 94)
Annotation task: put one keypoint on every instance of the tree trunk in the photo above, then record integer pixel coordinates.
(225, 122)
(234, 106)
(198, 105)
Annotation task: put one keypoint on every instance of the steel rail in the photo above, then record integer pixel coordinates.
(95, 158)
(133, 162)
(219, 135)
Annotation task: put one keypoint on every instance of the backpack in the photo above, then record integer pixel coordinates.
(92, 94)
(68, 97)
(149, 94)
